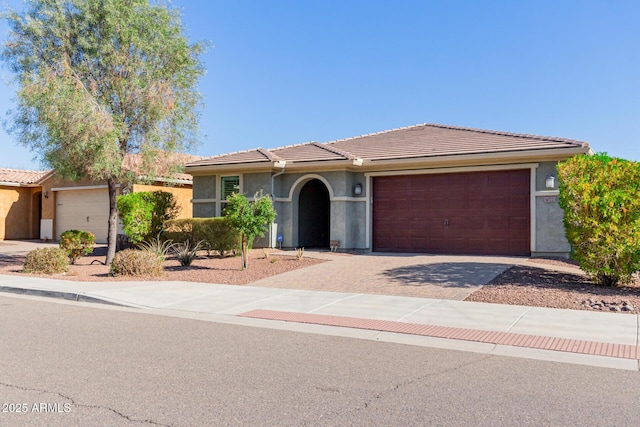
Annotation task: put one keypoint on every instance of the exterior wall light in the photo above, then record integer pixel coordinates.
(551, 181)
(45, 194)
(357, 189)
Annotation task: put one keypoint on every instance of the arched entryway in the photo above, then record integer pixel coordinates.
(313, 215)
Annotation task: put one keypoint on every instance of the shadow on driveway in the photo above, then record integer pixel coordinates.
(447, 274)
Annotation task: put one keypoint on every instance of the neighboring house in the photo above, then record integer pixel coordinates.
(20, 203)
(426, 188)
(56, 205)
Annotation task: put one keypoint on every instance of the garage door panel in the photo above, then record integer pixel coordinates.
(86, 210)
(519, 223)
(487, 212)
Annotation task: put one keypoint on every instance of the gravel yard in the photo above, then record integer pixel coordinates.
(205, 269)
(531, 285)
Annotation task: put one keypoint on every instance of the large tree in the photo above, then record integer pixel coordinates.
(99, 80)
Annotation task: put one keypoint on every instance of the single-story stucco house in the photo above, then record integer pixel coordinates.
(43, 205)
(20, 203)
(427, 188)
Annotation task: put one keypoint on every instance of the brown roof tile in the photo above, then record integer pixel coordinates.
(17, 176)
(418, 141)
(240, 157)
(429, 140)
(308, 152)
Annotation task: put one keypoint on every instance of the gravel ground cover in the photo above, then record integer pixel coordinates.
(542, 287)
(204, 269)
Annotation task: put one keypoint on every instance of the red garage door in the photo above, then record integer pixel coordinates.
(453, 213)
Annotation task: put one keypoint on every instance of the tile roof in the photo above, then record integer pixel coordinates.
(24, 177)
(163, 164)
(429, 140)
(418, 141)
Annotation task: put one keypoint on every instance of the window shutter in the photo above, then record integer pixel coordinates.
(230, 185)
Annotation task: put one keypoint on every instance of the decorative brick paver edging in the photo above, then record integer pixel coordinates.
(622, 351)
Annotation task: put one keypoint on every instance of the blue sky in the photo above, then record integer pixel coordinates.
(286, 72)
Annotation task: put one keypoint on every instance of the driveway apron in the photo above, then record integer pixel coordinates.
(424, 276)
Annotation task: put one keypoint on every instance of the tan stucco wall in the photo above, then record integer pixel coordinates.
(18, 213)
(183, 196)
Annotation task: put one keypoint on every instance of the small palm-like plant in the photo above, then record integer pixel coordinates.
(158, 246)
(185, 254)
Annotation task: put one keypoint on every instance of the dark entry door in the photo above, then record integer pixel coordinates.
(313, 215)
(457, 213)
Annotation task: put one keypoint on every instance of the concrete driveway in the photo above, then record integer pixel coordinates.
(21, 247)
(415, 275)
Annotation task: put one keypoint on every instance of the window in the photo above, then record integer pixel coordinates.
(228, 185)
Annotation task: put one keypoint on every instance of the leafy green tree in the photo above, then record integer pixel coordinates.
(250, 219)
(101, 79)
(600, 196)
(143, 214)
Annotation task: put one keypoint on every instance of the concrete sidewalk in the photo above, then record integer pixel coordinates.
(592, 338)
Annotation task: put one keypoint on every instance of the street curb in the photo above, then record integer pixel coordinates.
(69, 296)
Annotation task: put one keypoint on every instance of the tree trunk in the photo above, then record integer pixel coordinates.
(112, 233)
(244, 254)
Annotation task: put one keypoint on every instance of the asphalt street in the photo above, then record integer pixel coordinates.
(76, 364)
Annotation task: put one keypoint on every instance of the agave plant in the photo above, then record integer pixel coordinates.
(185, 254)
(158, 246)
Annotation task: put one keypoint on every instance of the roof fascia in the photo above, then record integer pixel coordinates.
(143, 178)
(233, 167)
(533, 155)
(18, 184)
(359, 165)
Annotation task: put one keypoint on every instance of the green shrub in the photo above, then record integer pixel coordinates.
(77, 243)
(215, 234)
(600, 196)
(143, 214)
(46, 261)
(132, 262)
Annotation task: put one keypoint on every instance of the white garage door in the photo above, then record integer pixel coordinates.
(86, 210)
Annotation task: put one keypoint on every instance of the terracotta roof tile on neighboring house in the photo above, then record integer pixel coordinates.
(134, 163)
(418, 141)
(25, 177)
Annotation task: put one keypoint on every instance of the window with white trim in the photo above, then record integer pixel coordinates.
(228, 185)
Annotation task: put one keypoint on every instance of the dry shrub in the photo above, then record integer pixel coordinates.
(132, 262)
(46, 261)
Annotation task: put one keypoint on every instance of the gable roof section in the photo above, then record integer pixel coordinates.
(430, 140)
(22, 177)
(419, 141)
(258, 155)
